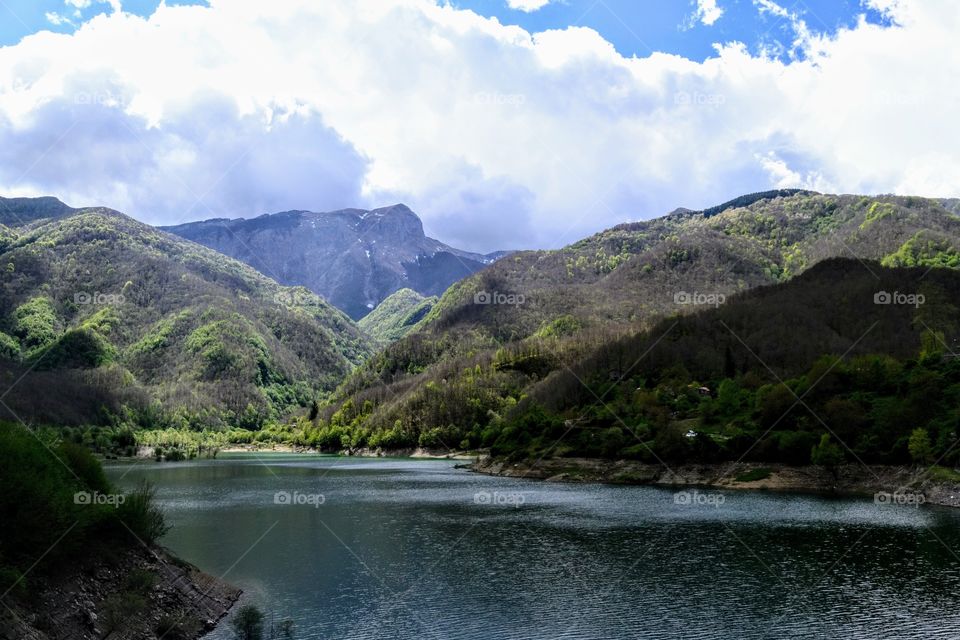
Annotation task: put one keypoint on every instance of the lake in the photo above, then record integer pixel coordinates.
(395, 548)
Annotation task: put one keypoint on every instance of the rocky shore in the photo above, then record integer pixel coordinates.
(137, 594)
(884, 483)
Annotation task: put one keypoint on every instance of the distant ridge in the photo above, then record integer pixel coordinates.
(750, 198)
(355, 258)
(19, 211)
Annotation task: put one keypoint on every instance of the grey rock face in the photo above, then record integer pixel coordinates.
(353, 257)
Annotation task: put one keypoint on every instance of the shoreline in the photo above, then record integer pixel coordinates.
(887, 484)
(418, 453)
(81, 603)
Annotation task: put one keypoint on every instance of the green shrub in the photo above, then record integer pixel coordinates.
(140, 513)
(9, 347)
(35, 322)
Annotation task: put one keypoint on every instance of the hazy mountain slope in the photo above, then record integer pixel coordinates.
(20, 211)
(396, 316)
(354, 258)
(175, 331)
(622, 280)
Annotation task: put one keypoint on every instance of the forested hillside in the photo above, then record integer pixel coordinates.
(397, 316)
(480, 349)
(105, 320)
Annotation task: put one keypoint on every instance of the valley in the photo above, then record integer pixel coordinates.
(783, 342)
(479, 319)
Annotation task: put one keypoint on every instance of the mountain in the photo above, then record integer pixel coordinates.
(639, 271)
(480, 347)
(22, 211)
(352, 257)
(106, 319)
(397, 316)
(857, 352)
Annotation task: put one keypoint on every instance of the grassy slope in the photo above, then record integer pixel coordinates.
(397, 316)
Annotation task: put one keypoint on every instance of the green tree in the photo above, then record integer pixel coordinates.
(826, 453)
(920, 447)
(931, 345)
(247, 624)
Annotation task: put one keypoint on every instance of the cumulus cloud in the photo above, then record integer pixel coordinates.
(528, 6)
(57, 19)
(496, 136)
(207, 160)
(708, 12)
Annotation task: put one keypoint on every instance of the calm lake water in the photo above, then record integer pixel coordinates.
(407, 549)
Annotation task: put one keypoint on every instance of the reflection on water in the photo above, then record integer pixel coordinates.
(373, 548)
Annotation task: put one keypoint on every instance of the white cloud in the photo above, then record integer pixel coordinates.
(498, 137)
(80, 5)
(528, 6)
(57, 19)
(708, 12)
(771, 7)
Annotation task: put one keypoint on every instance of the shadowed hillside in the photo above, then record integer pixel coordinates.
(469, 352)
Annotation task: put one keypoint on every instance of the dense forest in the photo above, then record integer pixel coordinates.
(107, 321)
(676, 337)
(765, 376)
(467, 366)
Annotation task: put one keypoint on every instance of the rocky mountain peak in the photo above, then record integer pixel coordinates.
(355, 258)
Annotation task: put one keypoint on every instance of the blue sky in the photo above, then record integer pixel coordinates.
(634, 27)
(639, 27)
(529, 135)
(19, 18)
